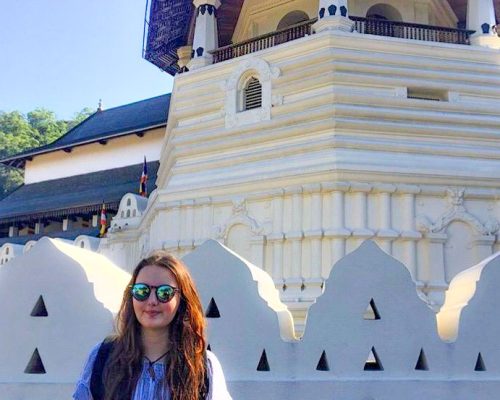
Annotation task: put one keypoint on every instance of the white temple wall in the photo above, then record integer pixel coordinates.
(355, 345)
(296, 233)
(118, 152)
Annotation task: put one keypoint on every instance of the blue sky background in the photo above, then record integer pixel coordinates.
(65, 55)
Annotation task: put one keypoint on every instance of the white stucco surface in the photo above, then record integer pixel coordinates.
(80, 289)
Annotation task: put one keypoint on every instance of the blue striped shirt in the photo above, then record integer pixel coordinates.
(152, 389)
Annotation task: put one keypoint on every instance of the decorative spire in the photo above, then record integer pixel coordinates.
(99, 107)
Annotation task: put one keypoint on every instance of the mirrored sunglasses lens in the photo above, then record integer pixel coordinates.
(140, 291)
(165, 293)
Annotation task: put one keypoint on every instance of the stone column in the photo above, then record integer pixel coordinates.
(385, 233)
(333, 15)
(481, 18)
(276, 239)
(360, 231)
(13, 231)
(434, 275)
(67, 224)
(409, 234)
(313, 280)
(336, 231)
(204, 224)
(206, 36)
(186, 242)
(39, 227)
(294, 281)
(483, 246)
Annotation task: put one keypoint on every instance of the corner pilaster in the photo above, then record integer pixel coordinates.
(333, 15)
(481, 18)
(206, 36)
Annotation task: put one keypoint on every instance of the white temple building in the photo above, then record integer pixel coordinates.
(296, 131)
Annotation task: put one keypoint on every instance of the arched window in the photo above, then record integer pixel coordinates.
(82, 244)
(384, 12)
(292, 18)
(252, 94)
(7, 251)
(129, 202)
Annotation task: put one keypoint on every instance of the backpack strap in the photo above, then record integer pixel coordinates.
(96, 380)
(205, 391)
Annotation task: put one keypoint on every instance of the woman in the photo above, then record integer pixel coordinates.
(159, 349)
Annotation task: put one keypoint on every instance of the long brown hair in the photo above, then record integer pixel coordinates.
(186, 365)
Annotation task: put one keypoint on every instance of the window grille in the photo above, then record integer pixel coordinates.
(252, 95)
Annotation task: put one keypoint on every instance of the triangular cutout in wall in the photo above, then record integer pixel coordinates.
(323, 363)
(371, 311)
(263, 363)
(35, 364)
(209, 348)
(422, 364)
(39, 310)
(480, 367)
(373, 361)
(212, 310)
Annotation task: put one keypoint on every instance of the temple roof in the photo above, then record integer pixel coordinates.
(80, 194)
(128, 119)
(170, 26)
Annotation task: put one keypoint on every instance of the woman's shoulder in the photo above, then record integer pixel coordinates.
(218, 389)
(82, 390)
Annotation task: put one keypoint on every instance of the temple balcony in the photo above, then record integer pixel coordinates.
(370, 26)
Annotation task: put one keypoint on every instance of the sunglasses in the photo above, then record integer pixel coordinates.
(142, 291)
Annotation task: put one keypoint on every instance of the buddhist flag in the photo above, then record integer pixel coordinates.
(143, 190)
(102, 232)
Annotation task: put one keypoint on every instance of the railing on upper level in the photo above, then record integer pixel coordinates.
(403, 30)
(263, 42)
(406, 30)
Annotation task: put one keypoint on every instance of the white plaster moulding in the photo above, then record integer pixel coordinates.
(363, 59)
(415, 147)
(341, 160)
(347, 95)
(388, 128)
(166, 196)
(408, 47)
(365, 111)
(327, 187)
(248, 155)
(412, 81)
(277, 128)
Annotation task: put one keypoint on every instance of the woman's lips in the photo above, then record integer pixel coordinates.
(152, 313)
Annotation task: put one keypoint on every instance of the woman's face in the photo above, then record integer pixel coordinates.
(151, 313)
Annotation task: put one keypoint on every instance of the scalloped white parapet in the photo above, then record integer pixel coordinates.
(463, 288)
(8, 251)
(87, 242)
(130, 212)
(252, 317)
(28, 245)
(339, 324)
(80, 291)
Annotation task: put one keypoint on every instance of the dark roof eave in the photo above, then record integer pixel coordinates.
(19, 160)
(111, 206)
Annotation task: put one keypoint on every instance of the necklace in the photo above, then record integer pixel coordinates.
(151, 363)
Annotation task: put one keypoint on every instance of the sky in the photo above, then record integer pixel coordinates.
(64, 55)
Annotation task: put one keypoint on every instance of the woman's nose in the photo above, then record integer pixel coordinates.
(152, 299)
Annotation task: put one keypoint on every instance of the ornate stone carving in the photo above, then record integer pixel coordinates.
(239, 216)
(264, 73)
(457, 212)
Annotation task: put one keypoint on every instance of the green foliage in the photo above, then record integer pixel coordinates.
(20, 132)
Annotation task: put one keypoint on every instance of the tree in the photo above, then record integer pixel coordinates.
(19, 133)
